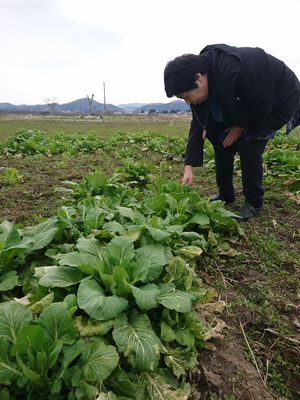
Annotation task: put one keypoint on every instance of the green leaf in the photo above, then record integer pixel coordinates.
(12, 317)
(157, 203)
(137, 340)
(70, 353)
(85, 391)
(176, 229)
(8, 370)
(114, 227)
(155, 256)
(56, 386)
(29, 373)
(139, 271)
(31, 338)
(146, 296)
(54, 353)
(42, 362)
(61, 276)
(166, 332)
(66, 214)
(179, 273)
(76, 259)
(134, 234)
(90, 246)
(98, 360)
(57, 324)
(123, 384)
(185, 337)
(118, 252)
(180, 360)
(126, 212)
(10, 242)
(171, 317)
(92, 299)
(94, 218)
(4, 394)
(8, 281)
(121, 278)
(108, 281)
(39, 236)
(70, 301)
(177, 300)
(9, 236)
(199, 219)
(158, 234)
(103, 235)
(192, 236)
(31, 359)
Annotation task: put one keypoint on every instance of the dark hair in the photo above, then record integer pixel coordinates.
(180, 73)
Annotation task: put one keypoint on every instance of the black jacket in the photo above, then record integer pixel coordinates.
(257, 91)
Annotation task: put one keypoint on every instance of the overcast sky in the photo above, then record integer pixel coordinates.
(66, 49)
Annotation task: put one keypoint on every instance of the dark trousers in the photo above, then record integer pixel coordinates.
(250, 151)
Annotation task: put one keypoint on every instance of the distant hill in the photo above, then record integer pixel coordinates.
(173, 106)
(8, 107)
(82, 106)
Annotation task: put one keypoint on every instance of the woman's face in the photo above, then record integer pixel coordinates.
(197, 95)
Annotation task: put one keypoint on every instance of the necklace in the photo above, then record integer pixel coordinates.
(203, 126)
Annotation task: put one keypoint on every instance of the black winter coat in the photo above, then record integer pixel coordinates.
(257, 91)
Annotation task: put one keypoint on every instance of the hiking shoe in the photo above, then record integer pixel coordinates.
(217, 197)
(248, 211)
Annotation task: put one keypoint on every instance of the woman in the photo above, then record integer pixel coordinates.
(239, 98)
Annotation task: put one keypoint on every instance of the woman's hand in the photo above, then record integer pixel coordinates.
(233, 133)
(187, 178)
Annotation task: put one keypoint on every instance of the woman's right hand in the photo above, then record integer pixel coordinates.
(187, 178)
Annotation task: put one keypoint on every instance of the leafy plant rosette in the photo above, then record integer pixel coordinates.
(120, 312)
(125, 325)
(34, 142)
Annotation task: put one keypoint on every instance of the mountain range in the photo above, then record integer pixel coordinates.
(82, 106)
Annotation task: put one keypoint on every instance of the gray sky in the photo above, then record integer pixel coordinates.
(66, 49)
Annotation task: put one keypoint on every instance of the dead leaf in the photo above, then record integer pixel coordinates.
(210, 308)
(216, 331)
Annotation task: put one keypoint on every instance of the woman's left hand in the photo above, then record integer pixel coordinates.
(233, 133)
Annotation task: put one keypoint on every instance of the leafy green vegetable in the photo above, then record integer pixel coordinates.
(98, 361)
(92, 299)
(12, 317)
(61, 276)
(136, 339)
(57, 324)
(8, 281)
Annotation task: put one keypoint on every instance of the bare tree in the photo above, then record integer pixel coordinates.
(51, 103)
(90, 100)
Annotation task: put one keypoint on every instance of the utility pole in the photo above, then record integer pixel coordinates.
(51, 103)
(90, 100)
(104, 97)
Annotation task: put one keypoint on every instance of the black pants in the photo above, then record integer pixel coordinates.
(250, 151)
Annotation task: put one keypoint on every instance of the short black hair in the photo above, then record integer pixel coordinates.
(180, 73)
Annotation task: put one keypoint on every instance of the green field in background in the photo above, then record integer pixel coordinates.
(163, 124)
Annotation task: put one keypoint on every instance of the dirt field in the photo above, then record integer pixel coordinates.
(259, 356)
